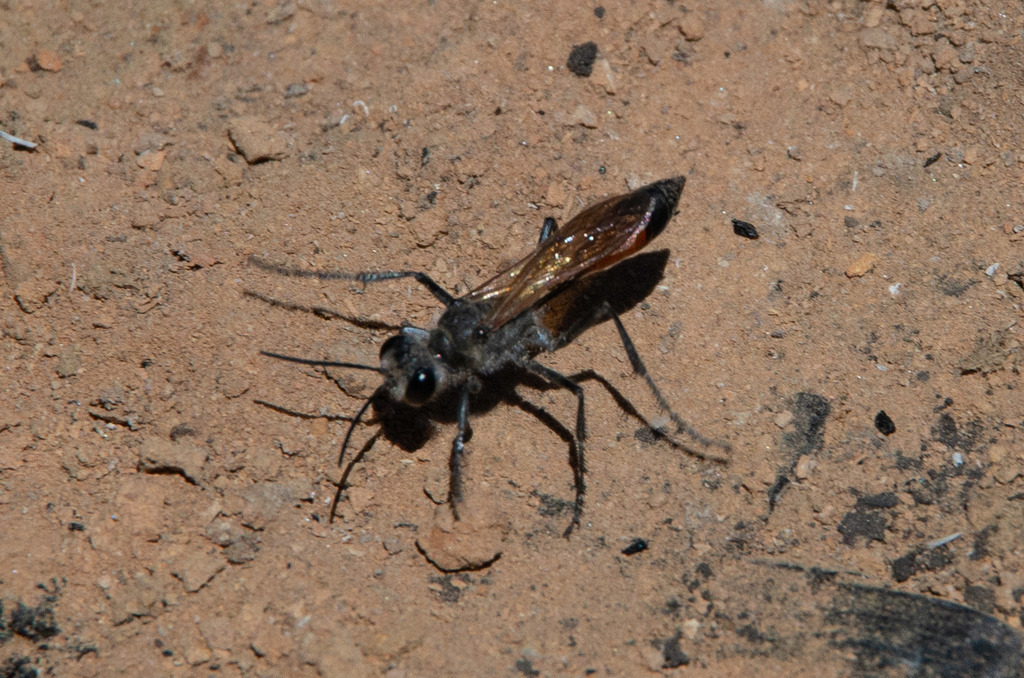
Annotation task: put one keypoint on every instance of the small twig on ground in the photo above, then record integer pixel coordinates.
(15, 140)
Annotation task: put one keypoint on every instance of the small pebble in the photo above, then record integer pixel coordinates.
(884, 423)
(581, 59)
(691, 27)
(804, 467)
(744, 229)
(636, 546)
(862, 266)
(256, 140)
(45, 60)
(783, 419)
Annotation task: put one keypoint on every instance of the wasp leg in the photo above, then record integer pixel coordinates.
(549, 227)
(439, 292)
(576, 454)
(458, 451)
(640, 369)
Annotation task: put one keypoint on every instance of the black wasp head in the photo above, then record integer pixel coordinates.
(413, 375)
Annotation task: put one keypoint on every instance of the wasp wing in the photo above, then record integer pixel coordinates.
(599, 236)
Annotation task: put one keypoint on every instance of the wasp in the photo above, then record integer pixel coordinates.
(509, 320)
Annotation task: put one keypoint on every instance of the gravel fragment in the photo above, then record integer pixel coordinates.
(862, 266)
(157, 455)
(196, 569)
(256, 140)
(581, 59)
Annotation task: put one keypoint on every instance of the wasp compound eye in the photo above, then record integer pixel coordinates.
(421, 386)
(396, 345)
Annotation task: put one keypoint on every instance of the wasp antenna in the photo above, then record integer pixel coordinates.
(344, 446)
(344, 476)
(439, 292)
(355, 420)
(321, 363)
(293, 272)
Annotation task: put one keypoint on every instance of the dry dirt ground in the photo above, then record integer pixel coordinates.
(165, 488)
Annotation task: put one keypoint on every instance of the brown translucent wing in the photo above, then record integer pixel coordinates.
(599, 236)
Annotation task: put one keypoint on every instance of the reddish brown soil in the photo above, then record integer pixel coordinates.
(179, 526)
